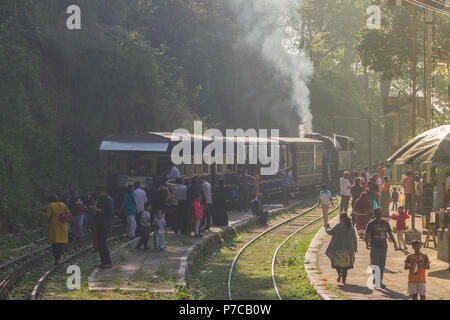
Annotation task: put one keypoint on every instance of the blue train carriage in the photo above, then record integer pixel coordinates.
(305, 157)
(338, 155)
(345, 147)
(144, 157)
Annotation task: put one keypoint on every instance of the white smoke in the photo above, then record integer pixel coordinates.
(273, 28)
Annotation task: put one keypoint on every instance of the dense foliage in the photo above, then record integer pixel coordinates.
(140, 65)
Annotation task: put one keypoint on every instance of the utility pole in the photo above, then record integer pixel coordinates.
(413, 73)
(428, 76)
(413, 103)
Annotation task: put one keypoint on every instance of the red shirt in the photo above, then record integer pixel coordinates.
(408, 184)
(197, 210)
(400, 218)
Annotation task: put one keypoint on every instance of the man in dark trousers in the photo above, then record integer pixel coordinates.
(103, 220)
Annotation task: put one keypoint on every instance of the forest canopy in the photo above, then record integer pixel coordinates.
(156, 65)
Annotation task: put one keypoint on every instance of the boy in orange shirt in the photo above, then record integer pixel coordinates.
(417, 262)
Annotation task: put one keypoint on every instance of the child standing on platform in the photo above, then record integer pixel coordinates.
(401, 217)
(417, 263)
(160, 228)
(325, 200)
(394, 198)
(146, 223)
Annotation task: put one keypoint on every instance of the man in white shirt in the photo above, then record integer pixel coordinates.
(140, 196)
(345, 187)
(173, 174)
(325, 200)
(182, 211)
(208, 202)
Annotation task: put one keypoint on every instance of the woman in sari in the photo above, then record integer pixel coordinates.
(385, 199)
(372, 194)
(362, 210)
(342, 247)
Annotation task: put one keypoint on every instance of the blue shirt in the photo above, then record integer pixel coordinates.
(129, 204)
(181, 193)
(106, 204)
(377, 231)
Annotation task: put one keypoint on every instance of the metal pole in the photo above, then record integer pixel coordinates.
(428, 75)
(413, 107)
(370, 143)
(413, 73)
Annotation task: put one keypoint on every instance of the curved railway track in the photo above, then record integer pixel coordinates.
(31, 260)
(274, 258)
(289, 224)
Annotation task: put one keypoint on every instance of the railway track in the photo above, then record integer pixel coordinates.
(286, 229)
(33, 260)
(38, 287)
(12, 262)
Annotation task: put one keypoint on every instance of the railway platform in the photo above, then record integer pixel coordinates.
(143, 270)
(323, 277)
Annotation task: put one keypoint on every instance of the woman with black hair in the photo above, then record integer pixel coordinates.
(342, 247)
(57, 229)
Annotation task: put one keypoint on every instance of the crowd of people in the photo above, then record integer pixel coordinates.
(371, 196)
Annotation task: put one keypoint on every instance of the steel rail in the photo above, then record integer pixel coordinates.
(37, 287)
(8, 283)
(32, 253)
(256, 238)
(286, 240)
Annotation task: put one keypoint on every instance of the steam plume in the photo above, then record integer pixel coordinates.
(273, 28)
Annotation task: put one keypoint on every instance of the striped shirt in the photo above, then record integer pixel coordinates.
(408, 184)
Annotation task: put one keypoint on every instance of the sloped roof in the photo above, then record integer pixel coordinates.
(432, 146)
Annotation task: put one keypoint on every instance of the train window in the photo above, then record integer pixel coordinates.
(144, 167)
(162, 165)
(205, 168)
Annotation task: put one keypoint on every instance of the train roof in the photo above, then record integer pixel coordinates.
(160, 141)
(298, 140)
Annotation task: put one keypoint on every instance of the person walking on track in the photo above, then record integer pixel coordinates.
(342, 247)
(103, 220)
(58, 234)
(345, 187)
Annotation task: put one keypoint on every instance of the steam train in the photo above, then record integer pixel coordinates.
(314, 159)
